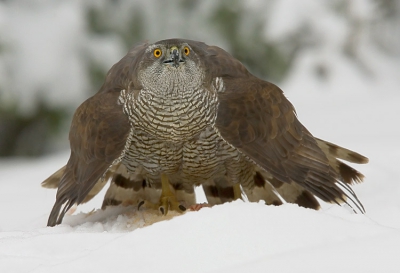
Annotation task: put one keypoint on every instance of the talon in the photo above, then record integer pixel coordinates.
(146, 205)
(167, 200)
(141, 203)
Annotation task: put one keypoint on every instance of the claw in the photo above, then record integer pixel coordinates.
(171, 205)
(167, 202)
(141, 203)
(148, 205)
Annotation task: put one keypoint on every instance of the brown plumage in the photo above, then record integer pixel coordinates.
(179, 113)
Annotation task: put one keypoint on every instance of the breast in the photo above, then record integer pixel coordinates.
(174, 134)
(193, 161)
(153, 155)
(177, 117)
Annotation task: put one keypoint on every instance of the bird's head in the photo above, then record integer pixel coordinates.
(170, 66)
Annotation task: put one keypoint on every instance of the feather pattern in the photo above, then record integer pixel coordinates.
(199, 119)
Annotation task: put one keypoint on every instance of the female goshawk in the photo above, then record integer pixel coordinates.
(179, 113)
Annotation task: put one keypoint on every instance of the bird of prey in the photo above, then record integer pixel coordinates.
(178, 113)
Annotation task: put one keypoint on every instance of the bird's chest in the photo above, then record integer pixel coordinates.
(174, 134)
(195, 159)
(174, 117)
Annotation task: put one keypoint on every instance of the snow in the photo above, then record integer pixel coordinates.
(355, 105)
(234, 237)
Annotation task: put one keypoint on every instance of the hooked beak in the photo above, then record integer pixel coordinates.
(175, 57)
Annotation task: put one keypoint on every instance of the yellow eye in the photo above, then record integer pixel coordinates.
(186, 50)
(157, 52)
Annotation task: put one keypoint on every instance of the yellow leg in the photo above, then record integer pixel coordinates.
(237, 191)
(167, 201)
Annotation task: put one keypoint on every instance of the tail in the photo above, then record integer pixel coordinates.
(335, 154)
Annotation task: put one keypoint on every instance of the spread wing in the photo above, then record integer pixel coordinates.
(97, 137)
(53, 181)
(255, 117)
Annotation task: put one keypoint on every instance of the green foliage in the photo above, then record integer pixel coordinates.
(225, 19)
(129, 30)
(263, 58)
(29, 135)
(97, 74)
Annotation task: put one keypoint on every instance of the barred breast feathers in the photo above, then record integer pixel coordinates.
(175, 113)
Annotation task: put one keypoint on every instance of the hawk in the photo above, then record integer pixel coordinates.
(179, 113)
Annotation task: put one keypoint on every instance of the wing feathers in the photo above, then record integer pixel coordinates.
(98, 134)
(334, 152)
(271, 135)
(340, 152)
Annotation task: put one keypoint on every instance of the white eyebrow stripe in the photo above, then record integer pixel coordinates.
(150, 48)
